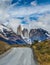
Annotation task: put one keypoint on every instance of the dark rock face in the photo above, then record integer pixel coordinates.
(25, 32)
(10, 37)
(38, 34)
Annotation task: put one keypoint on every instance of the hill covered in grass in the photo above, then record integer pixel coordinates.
(42, 52)
(4, 47)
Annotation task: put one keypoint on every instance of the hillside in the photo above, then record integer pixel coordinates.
(4, 47)
(42, 52)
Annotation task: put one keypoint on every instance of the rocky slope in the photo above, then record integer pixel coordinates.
(38, 34)
(8, 36)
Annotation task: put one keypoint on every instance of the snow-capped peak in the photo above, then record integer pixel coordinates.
(3, 27)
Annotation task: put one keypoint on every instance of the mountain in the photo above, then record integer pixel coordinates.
(7, 35)
(38, 34)
(25, 32)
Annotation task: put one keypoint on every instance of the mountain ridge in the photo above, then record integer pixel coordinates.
(8, 35)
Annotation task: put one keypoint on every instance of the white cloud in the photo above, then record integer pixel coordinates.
(23, 11)
(34, 3)
(43, 20)
(3, 16)
(5, 3)
(13, 24)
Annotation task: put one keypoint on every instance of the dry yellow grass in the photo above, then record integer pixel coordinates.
(42, 52)
(4, 47)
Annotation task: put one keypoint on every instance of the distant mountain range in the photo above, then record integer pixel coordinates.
(7, 35)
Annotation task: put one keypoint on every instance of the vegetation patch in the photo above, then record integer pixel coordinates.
(42, 52)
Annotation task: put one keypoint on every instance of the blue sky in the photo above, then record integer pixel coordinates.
(39, 1)
(29, 1)
(28, 13)
(43, 1)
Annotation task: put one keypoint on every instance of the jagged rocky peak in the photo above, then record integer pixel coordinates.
(2, 27)
(25, 32)
(38, 34)
(7, 35)
(19, 30)
(38, 31)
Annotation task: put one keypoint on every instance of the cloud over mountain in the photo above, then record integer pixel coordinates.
(40, 15)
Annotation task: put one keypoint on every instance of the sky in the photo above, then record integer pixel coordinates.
(29, 13)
